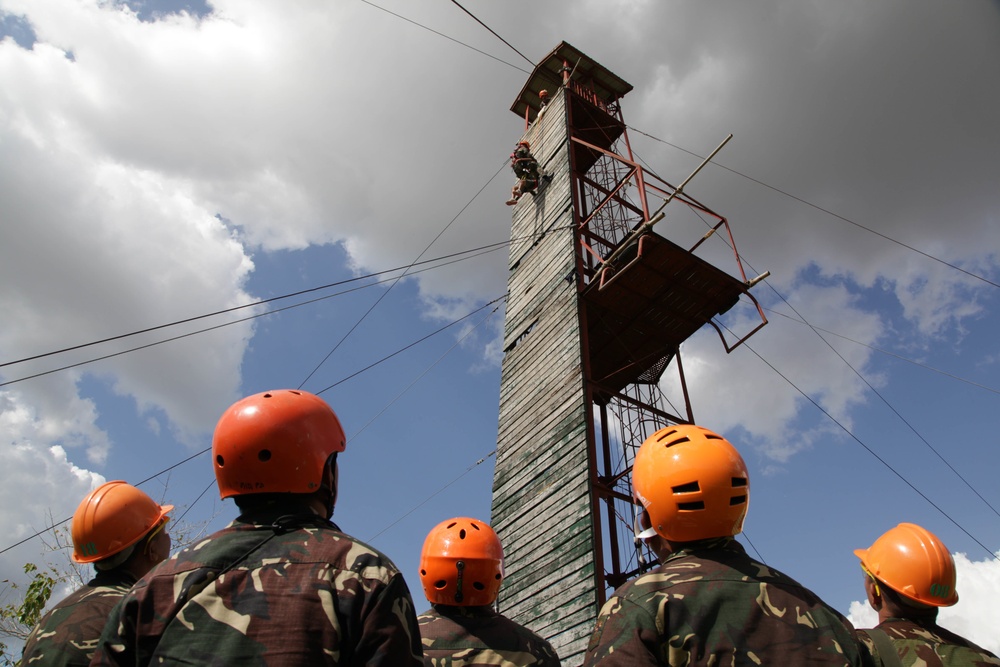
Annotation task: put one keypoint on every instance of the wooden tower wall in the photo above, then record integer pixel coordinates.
(541, 497)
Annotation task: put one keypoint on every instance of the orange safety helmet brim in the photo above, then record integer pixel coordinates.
(912, 561)
(111, 518)
(461, 563)
(275, 442)
(692, 482)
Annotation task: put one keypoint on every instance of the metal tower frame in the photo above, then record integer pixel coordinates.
(640, 295)
(632, 297)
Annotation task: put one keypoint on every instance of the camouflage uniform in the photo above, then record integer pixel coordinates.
(479, 636)
(68, 633)
(267, 590)
(711, 604)
(929, 644)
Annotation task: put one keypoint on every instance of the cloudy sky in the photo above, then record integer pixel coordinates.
(161, 161)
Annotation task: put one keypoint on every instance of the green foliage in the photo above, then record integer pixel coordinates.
(37, 596)
(19, 616)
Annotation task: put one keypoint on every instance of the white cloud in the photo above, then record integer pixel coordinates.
(974, 615)
(40, 483)
(740, 390)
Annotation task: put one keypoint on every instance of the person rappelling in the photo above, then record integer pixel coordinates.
(526, 169)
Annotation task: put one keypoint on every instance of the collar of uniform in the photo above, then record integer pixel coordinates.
(264, 517)
(116, 577)
(925, 623)
(468, 612)
(701, 546)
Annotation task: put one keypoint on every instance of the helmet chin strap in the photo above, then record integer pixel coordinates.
(641, 535)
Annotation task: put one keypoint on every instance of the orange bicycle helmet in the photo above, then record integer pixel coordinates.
(913, 562)
(692, 482)
(111, 518)
(461, 563)
(275, 442)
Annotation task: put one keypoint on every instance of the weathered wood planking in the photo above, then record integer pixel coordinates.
(541, 496)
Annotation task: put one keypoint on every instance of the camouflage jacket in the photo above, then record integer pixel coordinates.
(267, 590)
(711, 604)
(479, 636)
(68, 633)
(524, 163)
(928, 644)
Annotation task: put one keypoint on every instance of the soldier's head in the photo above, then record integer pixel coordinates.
(908, 572)
(276, 446)
(461, 564)
(118, 526)
(691, 483)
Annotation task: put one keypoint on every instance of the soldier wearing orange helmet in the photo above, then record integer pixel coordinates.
(708, 602)
(120, 530)
(282, 584)
(529, 174)
(909, 575)
(461, 569)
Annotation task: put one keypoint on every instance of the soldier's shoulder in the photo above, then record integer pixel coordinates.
(435, 628)
(351, 553)
(538, 644)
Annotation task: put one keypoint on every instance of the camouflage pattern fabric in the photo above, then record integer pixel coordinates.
(711, 604)
(267, 590)
(523, 163)
(479, 636)
(929, 644)
(68, 633)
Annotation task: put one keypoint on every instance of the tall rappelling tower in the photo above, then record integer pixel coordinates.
(598, 307)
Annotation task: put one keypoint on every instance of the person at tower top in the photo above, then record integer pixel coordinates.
(909, 575)
(708, 602)
(282, 584)
(543, 103)
(121, 531)
(461, 569)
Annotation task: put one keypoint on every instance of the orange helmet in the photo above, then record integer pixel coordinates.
(913, 562)
(543, 93)
(275, 442)
(524, 143)
(692, 482)
(111, 518)
(461, 563)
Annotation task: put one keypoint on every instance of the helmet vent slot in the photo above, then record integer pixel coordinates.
(461, 534)
(478, 585)
(221, 462)
(440, 584)
(737, 500)
(739, 481)
(264, 455)
(690, 487)
(690, 507)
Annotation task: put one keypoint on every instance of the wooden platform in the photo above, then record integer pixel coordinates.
(645, 311)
